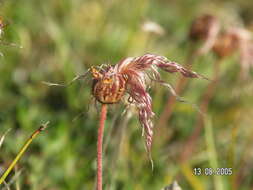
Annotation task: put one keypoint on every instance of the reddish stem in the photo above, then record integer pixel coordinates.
(100, 146)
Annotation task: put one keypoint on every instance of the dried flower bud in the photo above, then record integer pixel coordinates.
(233, 39)
(206, 28)
(236, 39)
(225, 44)
(203, 26)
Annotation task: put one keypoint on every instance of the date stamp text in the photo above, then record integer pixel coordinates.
(211, 171)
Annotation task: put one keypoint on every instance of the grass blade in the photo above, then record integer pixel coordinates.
(213, 158)
(3, 137)
(23, 149)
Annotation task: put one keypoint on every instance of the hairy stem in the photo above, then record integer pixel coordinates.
(100, 146)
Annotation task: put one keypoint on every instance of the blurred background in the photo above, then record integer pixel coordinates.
(62, 39)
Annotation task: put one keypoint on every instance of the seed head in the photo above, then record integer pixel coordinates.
(205, 28)
(202, 27)
(236, 39)
(132, 77)
(225, 44)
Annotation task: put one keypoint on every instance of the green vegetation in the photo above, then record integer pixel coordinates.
(62, 39)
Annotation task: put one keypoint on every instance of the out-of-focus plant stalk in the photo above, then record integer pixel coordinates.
(179, 88)
(100, 146)
(206, 98)
(21, 152)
